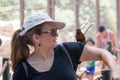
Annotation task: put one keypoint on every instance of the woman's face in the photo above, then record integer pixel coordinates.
(48, 37)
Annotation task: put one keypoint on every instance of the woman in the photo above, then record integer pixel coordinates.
(47, 61)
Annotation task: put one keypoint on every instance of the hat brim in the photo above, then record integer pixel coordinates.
(59, 25)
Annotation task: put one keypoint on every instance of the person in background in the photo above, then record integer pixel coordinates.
(91, 64)
(104, 36)
(106, 40)
(47, 60)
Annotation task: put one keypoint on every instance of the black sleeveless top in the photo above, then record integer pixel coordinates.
(61, 68)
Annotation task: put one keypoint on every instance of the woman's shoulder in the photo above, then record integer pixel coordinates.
(73, 44)
(18, 73)
(70, 45)
(20, 65)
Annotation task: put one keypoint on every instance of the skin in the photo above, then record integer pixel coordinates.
(113, 40)
(101, 54)
(104, 34)
(43, 56)
(90, 76)
(89, 43)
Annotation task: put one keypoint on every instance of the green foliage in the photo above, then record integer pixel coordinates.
(33, 6)
(9, 9)
(64, 11)
(4, 3)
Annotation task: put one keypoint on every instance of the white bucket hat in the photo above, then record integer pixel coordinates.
(38, 19)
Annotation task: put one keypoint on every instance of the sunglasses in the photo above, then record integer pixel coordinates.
(52, 32)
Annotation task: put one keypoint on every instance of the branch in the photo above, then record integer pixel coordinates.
(88, 28)
(85, 23)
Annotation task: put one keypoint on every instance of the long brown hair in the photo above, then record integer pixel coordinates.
(19, 45)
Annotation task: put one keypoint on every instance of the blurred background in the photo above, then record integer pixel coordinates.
(73, 12)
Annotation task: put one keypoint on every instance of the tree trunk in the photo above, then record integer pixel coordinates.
(97, 14)
(51, 8)
(118, 19)
(21, 12)
(77, 13)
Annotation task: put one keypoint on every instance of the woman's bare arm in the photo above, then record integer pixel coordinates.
(93, 53)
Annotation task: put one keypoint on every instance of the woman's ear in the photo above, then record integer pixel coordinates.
(36, 38)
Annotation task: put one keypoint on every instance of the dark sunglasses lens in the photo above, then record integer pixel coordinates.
(54, 32)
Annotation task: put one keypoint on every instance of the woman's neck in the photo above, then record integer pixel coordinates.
(42, 54)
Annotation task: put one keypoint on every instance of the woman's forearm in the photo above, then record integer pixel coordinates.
(108, 59)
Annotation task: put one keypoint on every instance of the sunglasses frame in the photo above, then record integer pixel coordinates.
(52, 32)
